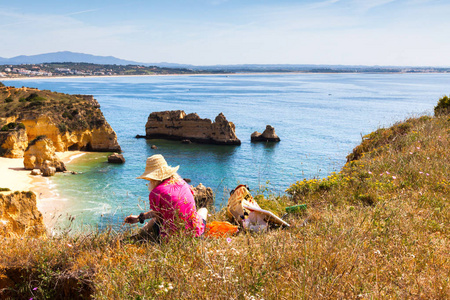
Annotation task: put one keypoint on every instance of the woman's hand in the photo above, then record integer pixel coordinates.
(131, 219)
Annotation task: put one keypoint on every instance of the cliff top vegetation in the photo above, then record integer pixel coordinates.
(70, 112)
(377, 229)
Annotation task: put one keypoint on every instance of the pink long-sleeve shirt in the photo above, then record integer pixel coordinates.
(173, 199)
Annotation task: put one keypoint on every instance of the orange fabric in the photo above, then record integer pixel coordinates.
(220, 229)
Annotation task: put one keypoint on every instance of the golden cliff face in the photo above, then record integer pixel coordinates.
(41, 153)
(19, 215)
(102, 138)
(13, 143)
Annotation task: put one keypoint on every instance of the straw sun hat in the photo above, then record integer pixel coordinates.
(157, 168)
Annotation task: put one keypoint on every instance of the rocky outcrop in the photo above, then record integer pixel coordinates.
(176, 125)
(116, 158)
(101, 139)
(36, 172)
(72, 122)
(41, 155)
(19, 215)
(268, 135)
(47, 169)
(13, 142)
(204, 196)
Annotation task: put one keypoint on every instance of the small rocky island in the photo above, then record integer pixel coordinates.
(268, 135)
(71, 122)
(177, 125)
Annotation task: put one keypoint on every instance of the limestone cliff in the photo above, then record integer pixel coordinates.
(19, 215)
(72, 122)
(13, 141)
(41, 154)
(177, 125)
(102, 138)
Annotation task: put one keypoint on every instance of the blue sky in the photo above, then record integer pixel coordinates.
(207, 32)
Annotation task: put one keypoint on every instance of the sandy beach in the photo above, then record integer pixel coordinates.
(14, 176)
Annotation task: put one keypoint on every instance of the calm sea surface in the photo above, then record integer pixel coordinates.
(319, 118)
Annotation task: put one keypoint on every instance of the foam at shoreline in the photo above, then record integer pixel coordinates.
(71, 157)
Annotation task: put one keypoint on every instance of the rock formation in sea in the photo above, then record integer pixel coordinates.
(268, 135)
(116, 158)
(40, 154)
(48, 169)
(204, 196)
(72, 122)
(19, 215)
(176, 125)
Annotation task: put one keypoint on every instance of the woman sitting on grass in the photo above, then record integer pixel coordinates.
(171, 200)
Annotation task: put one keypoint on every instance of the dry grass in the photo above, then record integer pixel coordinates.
(379, 229)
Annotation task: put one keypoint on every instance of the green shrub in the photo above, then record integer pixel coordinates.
(13, 125)
(9, 100)
(443, 106)
(4, 189)
(1, 84)
(35, 104)
(67, 115)
(22, 99)
(35, 98)
(82, 124)
(62, 127)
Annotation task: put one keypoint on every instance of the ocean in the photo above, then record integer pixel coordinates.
(320, 118)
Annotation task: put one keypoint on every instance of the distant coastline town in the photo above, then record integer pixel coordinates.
(92, 69)
(87, 69)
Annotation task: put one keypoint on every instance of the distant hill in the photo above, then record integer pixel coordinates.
(66, 56)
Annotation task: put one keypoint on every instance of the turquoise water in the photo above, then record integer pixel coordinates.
(319, 118)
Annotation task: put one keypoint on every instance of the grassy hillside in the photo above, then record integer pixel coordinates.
(377, 229)
(70, 112)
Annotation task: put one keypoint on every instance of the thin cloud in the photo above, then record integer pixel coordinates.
(364, 5)
(216, 2)
(82, 12)
(34, 19)
(324, 3)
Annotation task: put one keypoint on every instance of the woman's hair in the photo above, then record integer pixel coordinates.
(153, 183)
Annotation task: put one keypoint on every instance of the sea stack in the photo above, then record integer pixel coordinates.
(268, 135)
(177, 125)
